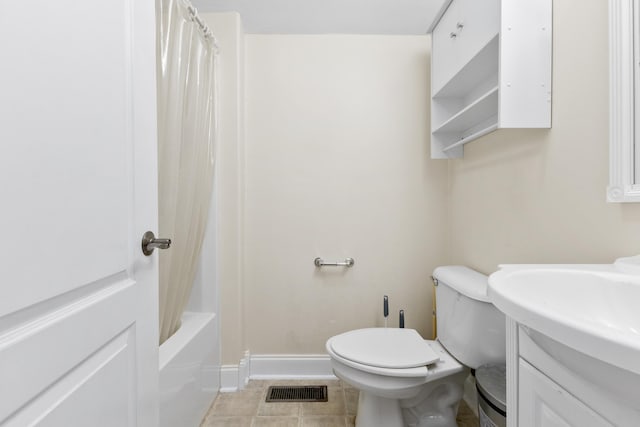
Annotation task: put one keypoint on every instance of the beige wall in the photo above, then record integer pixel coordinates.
(528, 196)
(337, 165)
(229, 184)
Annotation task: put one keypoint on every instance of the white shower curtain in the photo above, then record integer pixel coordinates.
(186, 139)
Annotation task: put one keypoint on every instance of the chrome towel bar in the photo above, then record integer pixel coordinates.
(319, 262)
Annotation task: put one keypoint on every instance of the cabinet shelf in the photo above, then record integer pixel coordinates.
(476, 112)
(471, 137)
(483, 66)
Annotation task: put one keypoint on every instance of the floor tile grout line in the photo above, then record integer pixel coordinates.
(260, 389)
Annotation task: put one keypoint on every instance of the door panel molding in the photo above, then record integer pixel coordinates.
(116, 359)
(39, 354)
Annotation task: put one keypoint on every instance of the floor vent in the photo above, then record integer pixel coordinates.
(305, 393)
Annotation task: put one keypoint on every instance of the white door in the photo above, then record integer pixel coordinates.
(78, 300)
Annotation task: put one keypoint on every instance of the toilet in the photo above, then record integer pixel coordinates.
(405, 380)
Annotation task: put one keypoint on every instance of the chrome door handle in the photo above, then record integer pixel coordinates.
(149, 243)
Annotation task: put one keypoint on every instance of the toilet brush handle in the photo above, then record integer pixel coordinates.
(401, 319)
(385, 306)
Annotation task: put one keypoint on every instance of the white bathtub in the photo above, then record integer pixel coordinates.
(189, 371)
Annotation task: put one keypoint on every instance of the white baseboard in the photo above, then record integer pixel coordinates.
(244, 369)
(291, 366)
(273, 367)
(235, 377)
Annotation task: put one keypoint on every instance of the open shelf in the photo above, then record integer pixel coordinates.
(466, 106)
(476, 112)
(481, 67)
(471, 137)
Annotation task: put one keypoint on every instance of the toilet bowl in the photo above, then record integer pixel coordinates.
(405, 380)
(386, 391)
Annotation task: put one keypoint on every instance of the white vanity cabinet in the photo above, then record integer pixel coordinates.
(490, 69)
(545, 403)
(550, 384)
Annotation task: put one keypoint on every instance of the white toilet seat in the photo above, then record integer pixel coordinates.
(384, 348)
(421, 371)
(443, 365)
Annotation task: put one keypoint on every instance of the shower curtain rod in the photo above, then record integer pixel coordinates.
(208, 34)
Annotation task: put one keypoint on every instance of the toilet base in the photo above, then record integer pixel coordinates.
(376, 411)
(437, 403)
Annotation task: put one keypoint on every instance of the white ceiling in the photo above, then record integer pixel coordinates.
(330, 16)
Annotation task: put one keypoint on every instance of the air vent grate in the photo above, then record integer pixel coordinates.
(305, 393)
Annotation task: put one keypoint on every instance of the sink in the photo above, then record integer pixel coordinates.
(628, 265)
(594, 309)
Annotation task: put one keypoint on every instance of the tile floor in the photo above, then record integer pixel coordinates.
(247, 408)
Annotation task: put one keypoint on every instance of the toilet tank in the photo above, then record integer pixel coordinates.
(469, 326)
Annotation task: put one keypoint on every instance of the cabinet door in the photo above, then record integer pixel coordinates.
(466, 27)
(543, 403)
(478, 23)
(445, 46)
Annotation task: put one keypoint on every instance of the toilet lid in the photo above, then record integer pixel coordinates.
(384, 348)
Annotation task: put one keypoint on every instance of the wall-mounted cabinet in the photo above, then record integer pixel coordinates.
(490, 69)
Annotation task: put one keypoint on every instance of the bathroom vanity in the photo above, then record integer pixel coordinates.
(573, 343)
